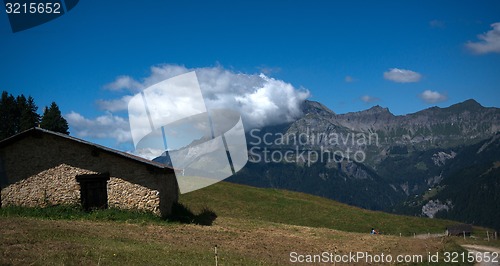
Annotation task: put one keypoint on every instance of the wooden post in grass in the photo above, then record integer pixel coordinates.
(488, 235)
(464, 234)
(216, 257)
(335, 262)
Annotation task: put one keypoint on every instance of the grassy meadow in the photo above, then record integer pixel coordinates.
(253, 227)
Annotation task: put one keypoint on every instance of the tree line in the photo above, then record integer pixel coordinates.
(18, 114)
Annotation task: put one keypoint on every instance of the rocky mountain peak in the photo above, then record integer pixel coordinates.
(469, 104)
(312, 107)
(377, 109)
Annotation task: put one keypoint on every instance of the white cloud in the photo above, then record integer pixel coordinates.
(437, 24)
(369, 99)
(114, 105)
(429, 96)
(106, 126)
(402, 75)
(260, 99)
(489, 42)
(269, 70)
(274, 102)
(124, 83)
(349, 79)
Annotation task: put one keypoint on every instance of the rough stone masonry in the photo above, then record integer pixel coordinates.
(39, 168)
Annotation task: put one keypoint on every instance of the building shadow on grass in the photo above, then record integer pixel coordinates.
(183, 214)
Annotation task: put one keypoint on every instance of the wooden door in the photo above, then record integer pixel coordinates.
(93, 191)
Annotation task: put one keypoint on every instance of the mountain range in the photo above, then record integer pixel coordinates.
(438, 162)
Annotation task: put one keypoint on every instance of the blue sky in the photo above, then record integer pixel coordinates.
(337, 50)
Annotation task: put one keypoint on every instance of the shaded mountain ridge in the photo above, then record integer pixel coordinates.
(410, 157)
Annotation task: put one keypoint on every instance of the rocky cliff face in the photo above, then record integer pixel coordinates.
(468, 188)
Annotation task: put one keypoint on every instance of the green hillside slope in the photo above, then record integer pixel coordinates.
(240, 201)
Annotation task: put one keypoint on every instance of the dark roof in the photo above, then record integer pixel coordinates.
(460, 228)
(37, 130)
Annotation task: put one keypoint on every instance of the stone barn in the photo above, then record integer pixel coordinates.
(42, 168)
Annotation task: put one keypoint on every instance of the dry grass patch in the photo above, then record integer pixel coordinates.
(42, 242)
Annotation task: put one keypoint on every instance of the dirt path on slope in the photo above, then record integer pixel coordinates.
(484, 252)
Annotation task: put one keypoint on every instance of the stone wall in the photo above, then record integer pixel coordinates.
(58, 185)
(42, 170)
(51, 187)
(125, 195)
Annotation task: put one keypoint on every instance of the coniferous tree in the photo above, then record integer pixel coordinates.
(29, 117)
(18, 114)
(21, 104)
(9, 118)
(53, 120)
